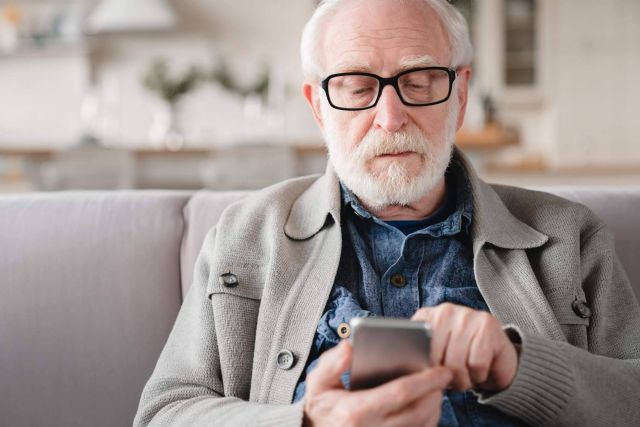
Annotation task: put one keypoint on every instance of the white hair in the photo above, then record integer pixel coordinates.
(452, 20)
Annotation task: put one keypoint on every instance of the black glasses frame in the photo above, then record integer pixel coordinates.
(393, 81)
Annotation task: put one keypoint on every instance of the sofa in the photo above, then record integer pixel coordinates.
(91, 282)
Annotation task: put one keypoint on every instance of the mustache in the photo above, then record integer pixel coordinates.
(377, 144)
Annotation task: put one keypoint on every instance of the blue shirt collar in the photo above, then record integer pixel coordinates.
(458, 219)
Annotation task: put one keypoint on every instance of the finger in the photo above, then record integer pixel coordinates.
(440, 320)
(424, 411)
(396, 394)
(480, 359)
(331, 365)
(455, 356)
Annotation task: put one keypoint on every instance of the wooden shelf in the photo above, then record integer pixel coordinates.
(491, 137)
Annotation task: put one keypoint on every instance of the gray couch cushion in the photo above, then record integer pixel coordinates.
(89, 290)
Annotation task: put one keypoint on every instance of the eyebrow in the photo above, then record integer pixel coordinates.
(417, 61)
(406, 63)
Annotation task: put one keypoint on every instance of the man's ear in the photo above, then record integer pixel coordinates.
(310, 91)
(463, 79)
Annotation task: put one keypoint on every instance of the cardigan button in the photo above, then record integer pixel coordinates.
(228, 280)
(286, 359)
(581, 309)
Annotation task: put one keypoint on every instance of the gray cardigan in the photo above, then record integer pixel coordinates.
(534, 255)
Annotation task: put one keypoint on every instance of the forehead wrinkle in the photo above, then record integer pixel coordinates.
(367, 38)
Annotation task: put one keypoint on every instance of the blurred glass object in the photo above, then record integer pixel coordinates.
(166, 128)
(90, 115)
(126, 15)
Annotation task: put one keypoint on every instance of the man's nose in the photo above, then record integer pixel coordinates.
(391, 113)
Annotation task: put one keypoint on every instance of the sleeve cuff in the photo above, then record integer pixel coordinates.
(543, 385)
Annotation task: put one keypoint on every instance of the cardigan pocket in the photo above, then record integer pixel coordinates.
(241, 279)
(574, 326)
(563, 304)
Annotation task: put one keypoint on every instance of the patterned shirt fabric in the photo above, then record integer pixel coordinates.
(393, 268)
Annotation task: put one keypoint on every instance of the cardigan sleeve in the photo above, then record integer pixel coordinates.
(186, 387)
(563, 385)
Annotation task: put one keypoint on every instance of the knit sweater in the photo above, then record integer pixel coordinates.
(545, 266)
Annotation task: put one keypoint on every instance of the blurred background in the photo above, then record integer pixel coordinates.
(189, 94)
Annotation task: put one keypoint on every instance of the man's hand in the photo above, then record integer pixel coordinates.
(412, 400)
(472, 344)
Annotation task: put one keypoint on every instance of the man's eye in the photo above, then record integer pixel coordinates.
(416, 86)
(361, 91)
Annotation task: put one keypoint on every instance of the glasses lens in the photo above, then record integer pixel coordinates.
(353, 91)
(424, 86)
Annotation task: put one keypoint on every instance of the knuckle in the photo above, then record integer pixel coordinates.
(478, 365)
(478, 372)
(488, 322)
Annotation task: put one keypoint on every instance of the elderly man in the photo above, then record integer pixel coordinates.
(534, 321)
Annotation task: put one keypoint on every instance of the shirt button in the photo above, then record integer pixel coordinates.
(398, 280)
(344, 330)
(581, 309)
(286, 359)
(228, 280)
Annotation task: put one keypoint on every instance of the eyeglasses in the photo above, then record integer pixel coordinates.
(417, 87)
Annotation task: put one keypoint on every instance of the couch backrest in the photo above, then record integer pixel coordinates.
(90, 284)
(89, 291)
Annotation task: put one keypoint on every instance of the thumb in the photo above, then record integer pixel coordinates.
(331, 365)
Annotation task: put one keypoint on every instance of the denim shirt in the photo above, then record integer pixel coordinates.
(430, 261)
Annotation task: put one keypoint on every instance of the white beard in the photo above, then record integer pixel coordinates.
(394, 185)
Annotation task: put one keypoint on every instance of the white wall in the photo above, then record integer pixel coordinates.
(597, 88)
(41, 99)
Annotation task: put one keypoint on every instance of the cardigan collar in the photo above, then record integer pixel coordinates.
(493, 223)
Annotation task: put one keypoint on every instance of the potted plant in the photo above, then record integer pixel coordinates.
(171, 89)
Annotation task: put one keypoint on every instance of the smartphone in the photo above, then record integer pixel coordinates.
(386, 348)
